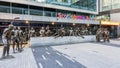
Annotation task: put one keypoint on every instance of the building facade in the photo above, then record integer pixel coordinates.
(110, 10)
(45, 12)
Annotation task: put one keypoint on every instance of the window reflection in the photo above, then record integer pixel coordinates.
(80, 4)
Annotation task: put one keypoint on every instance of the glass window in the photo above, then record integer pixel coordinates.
(36, 12)
(47, 14)
(61, 1)
(16, 10)
(65, 0)
(110, 4)
(19, 8)
(80, 4)
(54, 14)
(24, 11)
(4, 9)
(84, 4)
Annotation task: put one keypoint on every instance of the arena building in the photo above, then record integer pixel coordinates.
(55, 13)
(110, 13)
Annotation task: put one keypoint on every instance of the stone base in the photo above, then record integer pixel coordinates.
(48, 41)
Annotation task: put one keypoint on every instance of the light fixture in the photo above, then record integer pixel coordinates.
(26, 21)
(74, 24)
(53, 23)
(88, 25)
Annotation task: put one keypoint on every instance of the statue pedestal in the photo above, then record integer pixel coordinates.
(49, 41)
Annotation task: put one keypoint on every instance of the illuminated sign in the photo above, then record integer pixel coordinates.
(74, 16)
(110, 23)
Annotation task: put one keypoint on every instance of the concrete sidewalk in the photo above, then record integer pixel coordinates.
(82, 55)
(24, 59)
(93, 55)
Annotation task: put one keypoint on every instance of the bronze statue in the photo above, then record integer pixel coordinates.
(32, 32)
(42, 32)
(99, 34)
(60, 32)
(79, 33)
(16, 39)
(71, 33)
(48, 31)
(6, 38)
(76, 32)
(21, 38)
(106, 35)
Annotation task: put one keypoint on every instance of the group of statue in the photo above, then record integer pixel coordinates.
(13, 36)
(16, 37)
(59, 32)
(102, 34)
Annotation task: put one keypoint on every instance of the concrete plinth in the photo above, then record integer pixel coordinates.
(42, 41)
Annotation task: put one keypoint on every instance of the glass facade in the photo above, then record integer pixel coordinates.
(110, 4)
(90, 5)
(43, 11)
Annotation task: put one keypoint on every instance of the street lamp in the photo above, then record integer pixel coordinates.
(28, 23)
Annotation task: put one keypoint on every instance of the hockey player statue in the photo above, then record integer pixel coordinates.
(16, 39)
(21, 38)
(77, 32)
(32, 32)
(42, 32)
(71, 33)
(106, 35)
(99, 34)
(60, 32)
(48, 31)
(6, 39)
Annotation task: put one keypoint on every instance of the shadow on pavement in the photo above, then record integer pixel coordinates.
(107, 44)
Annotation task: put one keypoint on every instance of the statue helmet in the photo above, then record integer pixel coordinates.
(10, 26)
(18, 27)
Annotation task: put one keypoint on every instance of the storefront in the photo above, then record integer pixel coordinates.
(112, 27)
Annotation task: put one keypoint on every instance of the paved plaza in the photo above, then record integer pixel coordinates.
(82, 55)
